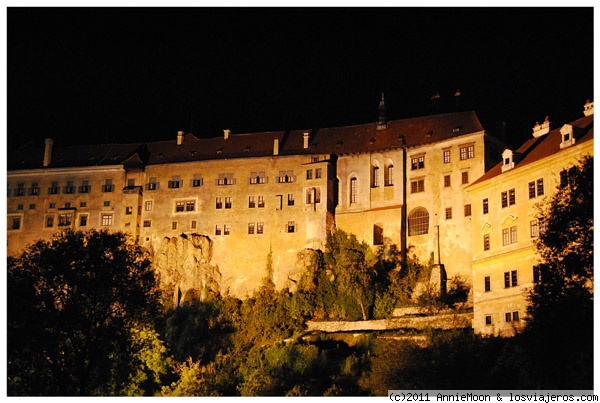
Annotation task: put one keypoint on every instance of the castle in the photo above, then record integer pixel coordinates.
(216, 208)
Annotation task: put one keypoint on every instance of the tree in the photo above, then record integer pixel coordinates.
(561, 303)
(72, 303)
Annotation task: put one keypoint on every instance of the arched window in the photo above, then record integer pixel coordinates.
(389, 177)
(377, 234)
(353, 190)
(418, 222)
(375, 182)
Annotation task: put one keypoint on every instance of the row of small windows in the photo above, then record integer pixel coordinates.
(511, 279)
(508, 317)
(509, 235)
(60, 220)
(388, 177)
(465, 152)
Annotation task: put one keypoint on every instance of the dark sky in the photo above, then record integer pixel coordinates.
(96, 75)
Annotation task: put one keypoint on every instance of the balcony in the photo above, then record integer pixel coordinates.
(133, 190)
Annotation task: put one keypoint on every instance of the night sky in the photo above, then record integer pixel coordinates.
(120, 75)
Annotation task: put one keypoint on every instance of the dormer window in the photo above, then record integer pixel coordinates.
(588, 108)
(567, 136)
(508, 160)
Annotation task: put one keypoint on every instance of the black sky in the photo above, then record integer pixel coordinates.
(102, 75)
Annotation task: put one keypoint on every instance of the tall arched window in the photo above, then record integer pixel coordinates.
(418, 221)
(389, 177)
(353, 190)
(375, 182)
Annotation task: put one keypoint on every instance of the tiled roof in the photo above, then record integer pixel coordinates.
(337, 140)
(536, 149)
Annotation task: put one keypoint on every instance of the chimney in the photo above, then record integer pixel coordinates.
(540, 129)
(588, 108)
(306, 138)
(276, 147)
(179, 138)
(226, 133)
(48, 152)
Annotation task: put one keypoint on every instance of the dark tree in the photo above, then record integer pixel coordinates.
(560, 328)
(71, 305)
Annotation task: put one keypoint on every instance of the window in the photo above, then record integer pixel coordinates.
(509, 235)
(226, 229)
(106, 203)
(467, 152)
(228, 202)
(446, 156)
(53, 189)
(260, 227)
(541, 225)
(564, 178)
(130, 183)
(540, 187)
(52, 205)
(487, 283)
(174, 225)
(67, 204)
(513, 234)
(504, 199)
(417, 162)
(353, 190)
(179, 206)
(485, 206)
(49, 221)
(309, 174)
(147, 223)
(536, 188)
(486, 242)
(217, 230)
(488, 320)
(193, 224)
(257, 177)
(251, 226)
(446, 181)
(286, 177)
(108, 186)
(64, 220)
(197, 181)
(510, 279)
(85, 186)
(106, 219)
(511, 197)
(34, 190)
(449, 213)
(82, 204)
(15, 223)
(83, 219)
(20, 207)
(377, 235)
(375, 182)
(190, 205)
(417, 186)
(291, 226)
(152, 184)
(128, 209)
(389, 180)
(148, 205)
(318, 172)
(219, 202)
(290, 199)
(69, 188)
(512, 316)
(226, 179)
(20, 190)
(261, 201)
(418, 221)
(251, 202)
(175, 182)
(533, 229)
(465, 177)
(32, 206)
(467, 210)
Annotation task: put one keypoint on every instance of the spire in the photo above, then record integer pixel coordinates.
(381, 124)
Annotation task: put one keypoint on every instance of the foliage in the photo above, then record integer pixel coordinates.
(72, 303)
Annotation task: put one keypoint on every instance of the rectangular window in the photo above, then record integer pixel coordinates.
(540, 187)
(193, 224)
(389, 180)
(106, 203)
(197, 181)
(487, 283)
(467, 152)
(261, 201)
(485, 206)
(417, 186)
(226, 179)
(190, 205)
(317, 195)
(513, 278)
(52, 205)
(175, 182)
(128, 210)
(513, 234)
(108, 186)
(564, 178)
(417, 162)
(449, 213)
(251, 228)
(49, 221)
(309, 193)
(82, 204)
(217, 230)
(515, 316)
(290, 199)
(504, 199)
(467, 210)
(353, 190)
(106, 219)
(506, 279)
(511, 197)
(286, 177)
(148, 205)
(505, 236)
(533, 229)
(291, 226)
(70, 188)
(446, 156)
(152, 184)
(507, 316)
(309, 174)
(85, 186)
(446, 181)
(219, 202)
(179, 206)
(147, 223)
(486, 242)
(532, 189)
(375, 182)
(488, 320)
(174, 225)
(34, 190)
(228, 202)
(16, 223)
(318, 173)
(226, 229)
(32, 206)
(260, 227)
(251, 202)
(83, 219)
(465, 177)
(20, 206)
(53, 189)
(257, 177)
(68, 205)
